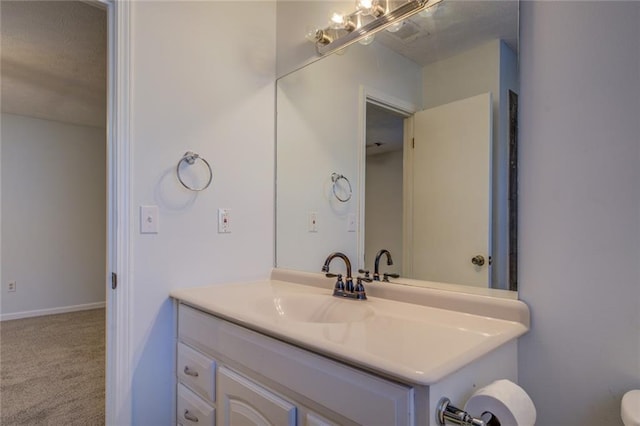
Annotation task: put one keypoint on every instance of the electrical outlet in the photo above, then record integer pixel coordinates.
(313, 222)
(12, 286)
(351, 222)
(224, 221)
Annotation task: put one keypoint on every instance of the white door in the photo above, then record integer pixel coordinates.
(451, 192)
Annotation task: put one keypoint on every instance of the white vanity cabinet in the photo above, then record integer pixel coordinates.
(232, 376)
(283, 351)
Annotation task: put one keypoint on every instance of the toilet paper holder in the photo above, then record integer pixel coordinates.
(447, 412)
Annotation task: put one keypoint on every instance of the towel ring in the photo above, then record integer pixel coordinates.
(335, 177)
(190, 158)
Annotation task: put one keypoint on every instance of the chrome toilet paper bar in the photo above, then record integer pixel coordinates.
(448, 413)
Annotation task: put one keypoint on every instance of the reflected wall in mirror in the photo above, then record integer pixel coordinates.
(419, 123)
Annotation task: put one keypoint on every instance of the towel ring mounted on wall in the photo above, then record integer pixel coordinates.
(190, 158)
(335, 178)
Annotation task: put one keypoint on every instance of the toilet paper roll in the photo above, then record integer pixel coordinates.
(508, 402)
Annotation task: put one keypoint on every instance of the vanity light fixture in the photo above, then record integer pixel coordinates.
(370, 7)
(368, 18)
(365, 41)
(429, 12)
(395, 27)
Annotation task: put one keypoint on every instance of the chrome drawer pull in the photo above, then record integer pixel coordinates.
(190, 372)
(190, 417)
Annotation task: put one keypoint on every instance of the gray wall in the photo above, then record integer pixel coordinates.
(579, 208)
(53, 216)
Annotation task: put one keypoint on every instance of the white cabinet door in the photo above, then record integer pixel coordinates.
(245, 403)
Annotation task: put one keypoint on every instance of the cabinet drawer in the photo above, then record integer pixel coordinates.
(193, 410)
(197, 371)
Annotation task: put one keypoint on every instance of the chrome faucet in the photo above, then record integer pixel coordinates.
(342, 289)
(376, 266)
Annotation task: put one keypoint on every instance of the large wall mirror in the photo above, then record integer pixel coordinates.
(407, 144)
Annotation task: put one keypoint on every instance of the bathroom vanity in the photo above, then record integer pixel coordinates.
(283, 351)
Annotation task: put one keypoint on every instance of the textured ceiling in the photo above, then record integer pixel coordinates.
(384, 130)
(53, 59)
(454, 26)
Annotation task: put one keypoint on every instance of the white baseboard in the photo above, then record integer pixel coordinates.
(52, 311)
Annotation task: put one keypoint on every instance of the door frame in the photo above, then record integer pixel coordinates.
(380, 98)
(118, 363)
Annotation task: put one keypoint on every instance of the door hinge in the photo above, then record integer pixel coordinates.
(413, 142)
(114, 281)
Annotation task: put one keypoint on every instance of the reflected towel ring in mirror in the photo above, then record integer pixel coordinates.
(190, 158)
(335, 178)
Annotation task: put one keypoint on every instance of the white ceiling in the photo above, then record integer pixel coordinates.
(53, 59)
(455, 26)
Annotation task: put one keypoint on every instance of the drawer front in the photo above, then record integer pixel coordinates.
(197, 371)
(193, 410)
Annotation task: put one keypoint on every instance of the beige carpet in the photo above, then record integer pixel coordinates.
(52, 369)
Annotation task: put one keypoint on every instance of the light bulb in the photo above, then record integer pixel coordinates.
(316, 35)
(367, 40)
(336, 20)
(312, 34)
(364, 6)
(394, 28)
(430, 11)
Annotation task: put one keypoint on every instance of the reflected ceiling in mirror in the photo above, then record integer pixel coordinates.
(331, 114)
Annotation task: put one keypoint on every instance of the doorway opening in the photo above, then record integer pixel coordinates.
(55, 239)
(384, 175)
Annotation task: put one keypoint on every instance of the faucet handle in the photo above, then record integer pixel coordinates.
(330, 275)
(338, 288)
(385, 276)
(359, 291)
(364, 271)
(366, 279)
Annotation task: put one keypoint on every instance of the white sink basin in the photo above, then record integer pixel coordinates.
(318, 308)
(413, 342)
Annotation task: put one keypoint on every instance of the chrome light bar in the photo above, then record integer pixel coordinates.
(404, 11)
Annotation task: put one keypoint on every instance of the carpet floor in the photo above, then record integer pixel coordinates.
(52, 369)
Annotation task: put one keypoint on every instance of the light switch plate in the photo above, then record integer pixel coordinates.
(149, 220)
(351, 222)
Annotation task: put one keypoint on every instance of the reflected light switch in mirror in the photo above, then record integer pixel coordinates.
(351, 222)
(149, 219)
(313, 222)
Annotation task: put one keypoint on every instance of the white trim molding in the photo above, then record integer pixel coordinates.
(119, 362)
(51, 311)
(380, 98)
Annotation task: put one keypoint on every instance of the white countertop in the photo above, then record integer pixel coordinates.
(411, 342)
